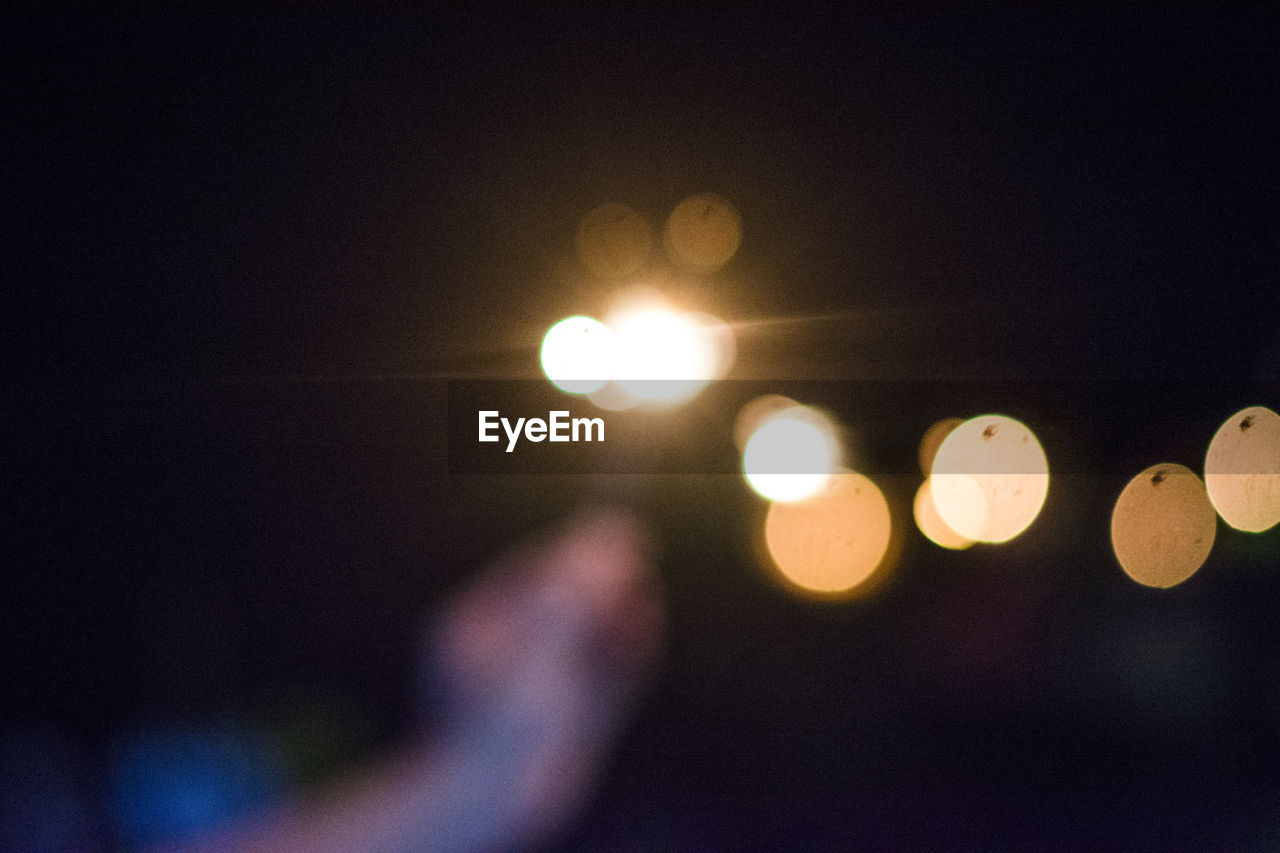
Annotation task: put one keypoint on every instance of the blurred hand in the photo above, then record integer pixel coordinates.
(541, 658)
(537, 663)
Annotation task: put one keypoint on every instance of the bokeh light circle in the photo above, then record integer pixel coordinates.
(834, 540)
(703, 232)
(1242, 469)
(1163, 526)
(791, 455)
(996, 463)
(931, 523)
(755, 413)
(578, 354)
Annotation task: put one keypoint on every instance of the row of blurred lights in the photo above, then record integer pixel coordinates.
(828, 529)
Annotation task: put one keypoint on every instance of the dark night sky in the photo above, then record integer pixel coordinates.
(243, 253)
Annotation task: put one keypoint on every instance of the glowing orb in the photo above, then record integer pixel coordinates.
(932, 525)
(755, 413)
(703, 232)
(663, 355)
(834, 540)
(1242, 469)
(792, 455)
(613, 241)
(1163, 525)
(994, 463)
(578, 354)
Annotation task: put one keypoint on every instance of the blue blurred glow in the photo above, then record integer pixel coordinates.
(177, 781)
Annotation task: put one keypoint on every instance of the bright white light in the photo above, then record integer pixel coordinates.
(791, 455)
(663, 356)
(578, 354)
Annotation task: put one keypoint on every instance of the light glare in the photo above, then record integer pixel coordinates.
(663, 356)
(578, 354)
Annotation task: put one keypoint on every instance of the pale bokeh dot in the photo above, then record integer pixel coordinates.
(613, 240)
(578, 354)
(932, 525)
(703, 232)
(1163, 526)
(792, 455)
(1242, 469)
(996, 463)
(833, 541)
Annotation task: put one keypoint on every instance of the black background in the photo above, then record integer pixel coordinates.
(245, 252)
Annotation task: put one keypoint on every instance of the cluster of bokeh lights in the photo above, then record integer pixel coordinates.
(648, 354)
(1165, 521)
(828, 530)
(645, 350)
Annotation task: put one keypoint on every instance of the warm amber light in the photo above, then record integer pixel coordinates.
(791, 455)
(931, 523)
(1242, 469)
(613, 241)
(1162, 527)
(578, 354)
(990, 478)
(703, 232)
(834, 540)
